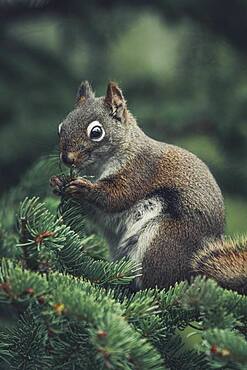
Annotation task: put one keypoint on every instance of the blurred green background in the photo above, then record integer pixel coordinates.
(182, 65)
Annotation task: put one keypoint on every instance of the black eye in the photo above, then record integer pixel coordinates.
(95, 131)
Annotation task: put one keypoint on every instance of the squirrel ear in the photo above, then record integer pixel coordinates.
(115, 100)
(84, 92)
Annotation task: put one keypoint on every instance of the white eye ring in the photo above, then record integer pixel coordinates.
(90, 128)
(59, 128)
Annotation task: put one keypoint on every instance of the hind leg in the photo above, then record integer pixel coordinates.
(168, 258)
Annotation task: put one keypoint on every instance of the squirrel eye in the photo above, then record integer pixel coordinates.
(95, 131)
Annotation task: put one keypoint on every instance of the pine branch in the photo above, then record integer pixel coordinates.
(140, 305)
(103, 318)
(207, 297)
(116, 343)
(49, 244)
(18, 285)
(173, 313)
(199, 301)
(72, 214)
(34, 181)
(27, 344)
(177, 357)
(70, 347)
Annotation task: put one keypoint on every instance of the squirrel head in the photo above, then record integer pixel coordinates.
(97, 129)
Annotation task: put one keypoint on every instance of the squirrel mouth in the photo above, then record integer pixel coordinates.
(75, 159)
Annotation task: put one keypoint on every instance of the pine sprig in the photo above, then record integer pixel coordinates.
(226, 348)
(46, 241)
(27, 344)
(207, 297)
(140, 305)
(72, 214)
(177, 357)
(18, 285)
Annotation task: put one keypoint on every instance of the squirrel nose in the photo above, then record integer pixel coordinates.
(68, 158)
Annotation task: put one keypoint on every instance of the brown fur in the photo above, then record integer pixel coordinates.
(192, 204)
(168, 258)
(225, 261)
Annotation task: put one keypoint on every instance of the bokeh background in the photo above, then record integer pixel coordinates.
(181, 63)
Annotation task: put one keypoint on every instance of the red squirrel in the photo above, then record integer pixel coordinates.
(155, 203)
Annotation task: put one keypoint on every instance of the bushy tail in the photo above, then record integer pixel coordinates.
(225, 261)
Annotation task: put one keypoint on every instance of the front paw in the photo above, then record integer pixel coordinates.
(78, 188)
(57, 184)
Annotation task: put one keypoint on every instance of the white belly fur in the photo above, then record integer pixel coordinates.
(131, 232)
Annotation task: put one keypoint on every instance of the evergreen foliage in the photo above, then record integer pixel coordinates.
(66, 306)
